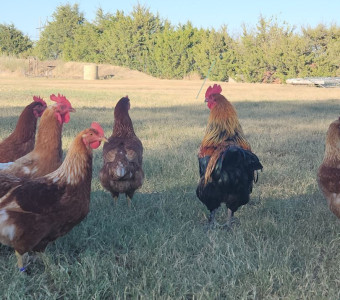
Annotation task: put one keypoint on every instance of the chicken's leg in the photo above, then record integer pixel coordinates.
(115, 197)
(230, 217)
(128, 201)
(212, 217)
(20, 261)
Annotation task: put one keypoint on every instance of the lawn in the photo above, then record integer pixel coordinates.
(286, 245)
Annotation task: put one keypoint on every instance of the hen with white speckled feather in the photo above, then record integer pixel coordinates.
(35, 212)
(122, 171)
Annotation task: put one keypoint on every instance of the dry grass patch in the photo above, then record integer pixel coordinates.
(286, 246)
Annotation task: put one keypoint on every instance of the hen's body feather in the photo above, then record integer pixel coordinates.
(122, 172)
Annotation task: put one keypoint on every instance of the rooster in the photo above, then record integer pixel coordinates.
(123, 154)
(328, 176)
(21, 140)
(35, 212)
(226, 164)
(47, 153)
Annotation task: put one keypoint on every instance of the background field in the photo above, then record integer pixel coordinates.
(286, 246)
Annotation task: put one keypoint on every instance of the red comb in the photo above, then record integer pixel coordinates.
(40, 100)
(216, 89)
(97, 127)
(60, 99)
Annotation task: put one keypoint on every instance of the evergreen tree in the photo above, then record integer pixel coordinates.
(58, 32)
(323, 46)
(13, 41)
(84, 44)
(115, 40)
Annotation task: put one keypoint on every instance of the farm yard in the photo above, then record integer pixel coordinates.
(286, 242)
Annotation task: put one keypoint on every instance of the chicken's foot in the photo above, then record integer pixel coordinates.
(213, 223)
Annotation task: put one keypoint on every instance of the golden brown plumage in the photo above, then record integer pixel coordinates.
(328, 176)
(47, 153)
(223, 129)
(34, 212)
(122, 168)
(21, 140)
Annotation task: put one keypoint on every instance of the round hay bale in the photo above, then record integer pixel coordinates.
(90, 72)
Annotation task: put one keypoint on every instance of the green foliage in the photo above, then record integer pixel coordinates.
(270, 52)
(172, 55)
(324, 48)
(84, 44)
(58, 33)
(13, 41)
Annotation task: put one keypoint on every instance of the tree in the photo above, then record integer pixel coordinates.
(144, 26)
(213, 54)
(84, 44)
(13, 41)
(66, 20)
(323, 46)
(115, 40)
(172, 54)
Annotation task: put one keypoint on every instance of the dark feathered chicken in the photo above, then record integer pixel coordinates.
(22, 139)
(226, 164)
(122, 171)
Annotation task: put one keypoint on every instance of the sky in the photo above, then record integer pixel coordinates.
(27, 16)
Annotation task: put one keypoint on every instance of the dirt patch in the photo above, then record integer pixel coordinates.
(32, 67)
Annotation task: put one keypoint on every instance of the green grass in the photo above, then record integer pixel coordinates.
(287, 243)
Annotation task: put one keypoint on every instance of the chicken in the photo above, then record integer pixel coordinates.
(226, 164)
(328, 176)
(35, 212)
(122, 169)
(21, 140)
(47, 153)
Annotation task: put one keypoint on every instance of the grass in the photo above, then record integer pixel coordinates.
(12, 64)
(286, 246)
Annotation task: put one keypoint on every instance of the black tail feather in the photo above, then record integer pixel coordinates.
(231, 180)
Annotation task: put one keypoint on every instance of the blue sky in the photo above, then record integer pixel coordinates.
(27, 15)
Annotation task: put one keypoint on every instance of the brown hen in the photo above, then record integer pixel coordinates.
(47, 153)
(122, 171)
(35, 212)
(21, 140)
(328, 176)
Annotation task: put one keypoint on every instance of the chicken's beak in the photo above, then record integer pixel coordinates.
(71, 109)
(104, 139)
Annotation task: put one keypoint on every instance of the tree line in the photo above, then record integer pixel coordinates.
(141, 40)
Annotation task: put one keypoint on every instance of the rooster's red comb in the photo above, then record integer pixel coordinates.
(61, 99)
(216, 89)
(40, 100)
(97, 127)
